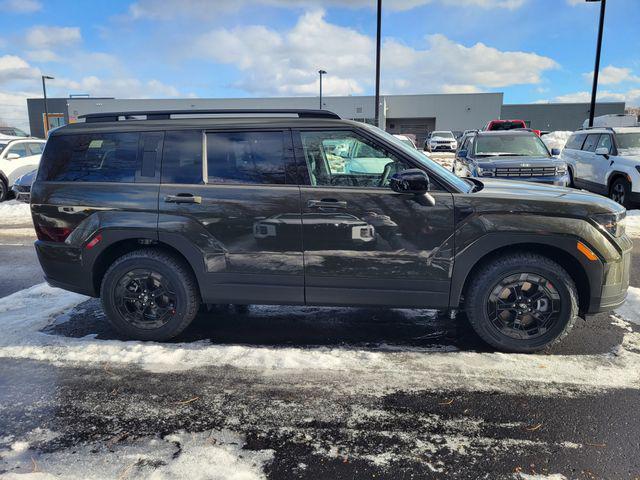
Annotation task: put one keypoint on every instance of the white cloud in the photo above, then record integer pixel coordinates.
(631, 97)
(203, 9)
(286, 63)
(14, 68)
(13, 108)
(46, 37)
(611, 75)
(44, 55)
(20, 6)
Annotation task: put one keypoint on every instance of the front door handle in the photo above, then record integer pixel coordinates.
(327, 203)
(183, 198)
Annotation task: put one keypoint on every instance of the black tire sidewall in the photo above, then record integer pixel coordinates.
(4, 191)
(627, 190)
(491, 334)
(107, 294)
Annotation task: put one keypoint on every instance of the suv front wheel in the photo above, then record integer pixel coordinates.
(148, 294)
(620, 191)
(522, 303)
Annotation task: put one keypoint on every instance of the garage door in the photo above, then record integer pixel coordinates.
(414, 126)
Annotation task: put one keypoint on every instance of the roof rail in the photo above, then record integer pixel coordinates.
(594, 128)
(167, 114)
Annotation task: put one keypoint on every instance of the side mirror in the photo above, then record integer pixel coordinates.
(412, 180)
(462, 154)
(555, 152)
(602, 151)
(12, 156)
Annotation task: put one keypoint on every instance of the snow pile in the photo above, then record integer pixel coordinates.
(24, 314)
(630, 310)
(632, 223)
(216, 455)
(14, 213)
(556, 139)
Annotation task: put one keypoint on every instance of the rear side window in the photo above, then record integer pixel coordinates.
(575, 141)
(36, 148)
(95, 157)
(246, 157)
(591, 142)
(182, 157)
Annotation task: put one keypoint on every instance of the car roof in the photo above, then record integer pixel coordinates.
(513, 133)
(203, 123)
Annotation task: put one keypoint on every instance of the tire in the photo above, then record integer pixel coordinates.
(620, 191)
(163, 316)
(4, 190)
(483, 286)
(571, 183)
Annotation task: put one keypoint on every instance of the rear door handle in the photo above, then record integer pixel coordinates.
(183, 198)
(327, 203)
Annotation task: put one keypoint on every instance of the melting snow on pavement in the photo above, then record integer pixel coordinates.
(24, 314)
(15, 213)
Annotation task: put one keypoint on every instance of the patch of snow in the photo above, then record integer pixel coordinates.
(217, 455)
(24, 314)
(632, 223)
(526, 476)
(556, 139)
(630, 310)
(13, 212)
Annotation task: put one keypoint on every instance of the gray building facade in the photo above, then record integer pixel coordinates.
(558, 116)
(407, 114)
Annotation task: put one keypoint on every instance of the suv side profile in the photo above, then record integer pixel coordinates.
(160, 214)
(606, 160)
(17, 157)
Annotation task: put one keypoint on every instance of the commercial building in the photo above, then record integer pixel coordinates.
(408, 114)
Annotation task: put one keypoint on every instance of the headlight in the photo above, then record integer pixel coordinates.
(614, 223)
(561, 169)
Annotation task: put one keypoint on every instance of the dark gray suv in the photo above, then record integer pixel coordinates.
(159, 212)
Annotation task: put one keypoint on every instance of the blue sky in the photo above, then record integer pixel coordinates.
(532, 50)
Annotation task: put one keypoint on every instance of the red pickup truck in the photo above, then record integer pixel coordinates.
(508, 125)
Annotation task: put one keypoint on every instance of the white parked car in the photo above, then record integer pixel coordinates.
(17, 157)
(606, 161)
(406, 140)
(442, 140)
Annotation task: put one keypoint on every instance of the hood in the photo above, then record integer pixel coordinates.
(630, 153)
(27, 178)
(517, 162)
(529, 196)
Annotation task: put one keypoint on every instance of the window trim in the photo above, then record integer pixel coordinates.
(288, 157)
(302, 163)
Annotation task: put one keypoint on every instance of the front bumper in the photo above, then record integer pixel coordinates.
(615, 281)
(560, 180)
(442, 148)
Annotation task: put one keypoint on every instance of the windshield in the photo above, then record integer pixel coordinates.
(511, 145)
(628, 141)
(442, 135)
(505, 125)
(421, 158)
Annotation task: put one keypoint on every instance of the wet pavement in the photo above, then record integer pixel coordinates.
(80, 419)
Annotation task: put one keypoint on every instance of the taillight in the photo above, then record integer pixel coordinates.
(52, 234)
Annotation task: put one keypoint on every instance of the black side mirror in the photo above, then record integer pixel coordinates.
(462, 154)
(412, 180)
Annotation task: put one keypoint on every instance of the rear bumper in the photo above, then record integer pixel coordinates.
(63, 268)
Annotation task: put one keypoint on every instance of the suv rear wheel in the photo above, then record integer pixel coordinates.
(522, 303)
(149, 295)
(620, 191)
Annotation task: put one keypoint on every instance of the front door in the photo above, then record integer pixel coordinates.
(363, 243)
(227, 194)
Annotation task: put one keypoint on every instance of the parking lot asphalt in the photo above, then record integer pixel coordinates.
(117, 420)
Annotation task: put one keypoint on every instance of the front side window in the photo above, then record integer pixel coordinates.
(246, 157)
(94, 157)
(19, 149)
(591, 142)
(36, 148)
(605, 142)
(343, 158)
(510, 145)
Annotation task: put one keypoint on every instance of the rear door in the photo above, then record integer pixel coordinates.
(227, 194)
(364, 244)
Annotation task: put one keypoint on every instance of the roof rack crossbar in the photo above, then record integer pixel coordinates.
(167, 114)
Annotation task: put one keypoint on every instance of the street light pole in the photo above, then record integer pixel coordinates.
(321, 72)
(596, 70)
(379, 27)
(46, 110)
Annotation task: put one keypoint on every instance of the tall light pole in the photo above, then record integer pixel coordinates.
(321, 72)
(596, 70)
(379, 21)
(46, 110)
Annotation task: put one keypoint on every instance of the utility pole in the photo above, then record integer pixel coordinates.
(596, 70)
(377, 106)
(321, 72)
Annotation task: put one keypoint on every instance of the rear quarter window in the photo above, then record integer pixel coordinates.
(575, 141)
(95, 157)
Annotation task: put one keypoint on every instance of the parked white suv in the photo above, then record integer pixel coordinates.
(442, 140)
(606, 161)
(17, 157)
